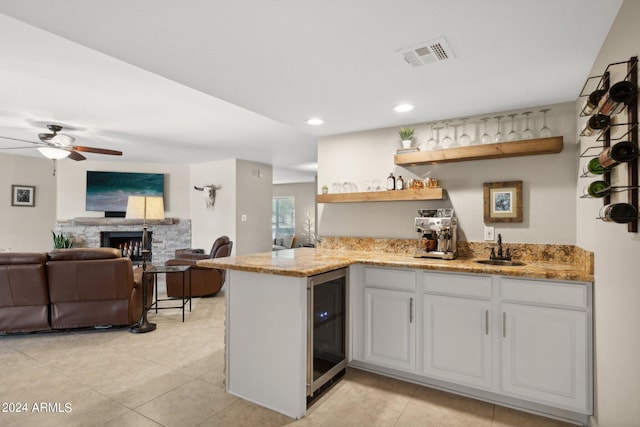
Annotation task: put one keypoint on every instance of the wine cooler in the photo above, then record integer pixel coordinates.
(326, 330)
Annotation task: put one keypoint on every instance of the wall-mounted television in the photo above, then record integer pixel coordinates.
(109, 191)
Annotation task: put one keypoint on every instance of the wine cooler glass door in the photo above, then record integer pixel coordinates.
(326, 352)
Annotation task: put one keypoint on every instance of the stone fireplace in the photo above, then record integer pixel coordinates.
(167, 235)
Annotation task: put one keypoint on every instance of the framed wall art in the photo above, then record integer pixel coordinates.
(23, 195)
(502, 201)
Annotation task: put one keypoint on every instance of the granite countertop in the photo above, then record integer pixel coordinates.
(304, 262)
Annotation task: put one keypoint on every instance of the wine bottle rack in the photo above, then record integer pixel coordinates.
(631, 134)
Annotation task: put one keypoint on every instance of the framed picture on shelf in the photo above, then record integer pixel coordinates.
(23, 195)
(502, 201)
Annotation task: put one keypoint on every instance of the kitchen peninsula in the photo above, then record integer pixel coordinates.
(444, 323)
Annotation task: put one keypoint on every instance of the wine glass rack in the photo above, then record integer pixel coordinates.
(631, 134)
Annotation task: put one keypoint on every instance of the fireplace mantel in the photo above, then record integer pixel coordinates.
(122, 221)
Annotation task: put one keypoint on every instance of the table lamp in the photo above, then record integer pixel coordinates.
(145, 207)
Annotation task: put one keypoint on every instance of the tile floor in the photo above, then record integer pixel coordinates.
(174, 377)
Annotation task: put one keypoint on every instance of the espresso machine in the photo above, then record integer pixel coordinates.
(438, 233)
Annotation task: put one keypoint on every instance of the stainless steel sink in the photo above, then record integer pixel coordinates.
(501, 262)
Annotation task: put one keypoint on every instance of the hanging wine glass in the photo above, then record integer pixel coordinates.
(447, 141)
(512, 135)
(527, 133)
(432, 142)
(436, 146)
(545, 132)
(499, 136)
(464, 139)
(486, 138)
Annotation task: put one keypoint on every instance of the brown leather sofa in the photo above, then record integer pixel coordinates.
(204, 281)
(68, 288)
(24, 295)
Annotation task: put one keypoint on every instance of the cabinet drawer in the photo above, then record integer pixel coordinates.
(545, 292)
(387, 278)
(458, 284)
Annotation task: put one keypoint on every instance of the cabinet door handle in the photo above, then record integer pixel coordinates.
(410, 310)
(486, 322)
(504, 324)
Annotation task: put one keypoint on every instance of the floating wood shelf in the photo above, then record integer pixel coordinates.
(382, 196)
(499, 150)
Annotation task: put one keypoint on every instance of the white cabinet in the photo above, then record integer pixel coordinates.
(524, 342)
(389, 336)
(546, 349)
(457, 340)
(387, 317)
(457, 332)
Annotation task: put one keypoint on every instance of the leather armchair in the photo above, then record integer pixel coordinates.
(204, 281)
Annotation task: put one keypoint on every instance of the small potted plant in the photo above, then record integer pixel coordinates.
(406, 135)
(61, 242)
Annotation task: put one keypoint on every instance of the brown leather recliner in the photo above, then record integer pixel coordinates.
(204, 281)
(24, 296)
(91, 288)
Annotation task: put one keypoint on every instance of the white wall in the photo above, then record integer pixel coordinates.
(617, 266)
(208, 224)
(27, 229)
(72, 184)
(254, 183)
(548, 185)
(305, 194)
(245, 190)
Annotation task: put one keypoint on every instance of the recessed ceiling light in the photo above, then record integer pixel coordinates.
(403, 108)
(315, 121)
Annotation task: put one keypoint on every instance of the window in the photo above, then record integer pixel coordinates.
(283, 217)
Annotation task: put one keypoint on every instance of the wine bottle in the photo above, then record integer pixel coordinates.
(595, 122)
(597, 189)
(594, 167)
(624, 151)
(391, 182)
(592, 101)
(617, 98)
(618, 212)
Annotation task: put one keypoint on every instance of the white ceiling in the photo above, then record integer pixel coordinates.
(202, 80)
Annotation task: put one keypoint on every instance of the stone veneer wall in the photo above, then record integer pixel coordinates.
(168, 235)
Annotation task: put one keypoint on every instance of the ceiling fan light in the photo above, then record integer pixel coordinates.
(53, 153)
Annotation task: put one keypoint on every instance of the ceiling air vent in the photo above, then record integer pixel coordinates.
(427, 53)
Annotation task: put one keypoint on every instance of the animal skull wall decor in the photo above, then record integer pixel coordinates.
(209, 194)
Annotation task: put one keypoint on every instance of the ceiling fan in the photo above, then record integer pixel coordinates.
(57, 146)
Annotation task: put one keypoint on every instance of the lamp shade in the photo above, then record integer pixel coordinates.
(53, 153)
(145, 207)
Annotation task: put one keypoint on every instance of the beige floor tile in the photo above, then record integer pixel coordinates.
(85, 407)
(188, 405)
(430, 407)
(242, 413)
(364, 399)
(507, 417)
(131, 419)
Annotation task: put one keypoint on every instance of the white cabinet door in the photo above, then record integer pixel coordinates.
(544, 355)
(389, 324)
(457, 340)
